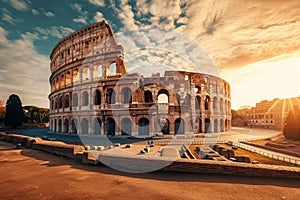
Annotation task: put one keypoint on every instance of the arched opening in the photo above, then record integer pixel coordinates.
(59, 126)
(163, 96)
(206, 102)
(221, 105)
(178, 98)
(55, 125)
(97, 97)
(56, 103)
(57, 83)
(187, 100)
(215, 104)
(85, 73)
(75, 100)
(62, 81)
(97, 72)
(75, 75)
(97, 126)
(68, 78)
(215, 125)
(148, 96)
(126, 95)
(207, 125)
(111, 126)
(84, 126)
(198, 90)
(74, 126)
(197, 104)
(221, 125)
(126, 126)
(85, 99)
(179, 126)
(143, 126)
(67, 101)
(110, 96)
(60, 100)
(66, 126)
(112, 69)
(164, 125)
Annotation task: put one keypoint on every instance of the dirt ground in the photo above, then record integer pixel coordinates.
(31, 174)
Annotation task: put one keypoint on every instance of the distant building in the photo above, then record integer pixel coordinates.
(272, 114)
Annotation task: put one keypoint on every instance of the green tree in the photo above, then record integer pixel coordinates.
(14, 111)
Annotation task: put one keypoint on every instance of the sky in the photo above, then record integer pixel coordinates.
(254, 45)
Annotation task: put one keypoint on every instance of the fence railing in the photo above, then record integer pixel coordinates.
(263, 152)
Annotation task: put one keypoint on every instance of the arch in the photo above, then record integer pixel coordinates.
(179, 126)
(110, 96)
(97, 72)
(164, 125)
(55, 125)
(178, 98)
(198, 90)
(187, 100)
(215, 104)
(163, 96)
(97, 97)
(206, 102)
(60, 100)
(111, 126)
(215, 125)
(57, 83)
(74, 126)
(126, 126)
(126, 95)
(85, 99)
(75, 100)
(66, 126)
(207, 125)
(68, 78)
(84, 126)
(97, 126)
(221, 125)
(112, 69)
(148, 96)
(86, 73)
(198, 104)
(61, 80)
(143, 126)
(75, 75)
(59, 126)
(56, 103)
(67, 101)
(221, 105)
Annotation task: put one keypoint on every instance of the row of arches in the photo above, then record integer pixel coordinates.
(85, 73)
(126, 126)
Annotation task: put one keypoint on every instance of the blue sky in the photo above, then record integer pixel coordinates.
(249, 42)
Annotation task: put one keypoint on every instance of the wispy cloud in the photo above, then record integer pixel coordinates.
(49, 14)
(25, 72)
(19, 5)
(98, 17)
(7, 16)
(35, 12)
(83, 14)
(54, 31)
(100, 3)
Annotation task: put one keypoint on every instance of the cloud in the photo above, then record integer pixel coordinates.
(100, 3)
(19, 5)
(8, 17)
(49, 14)
(98, 17)
(76, 6)
(35, 12)
(24, 72)
(54, 31)
(83, 14)
(80, 19)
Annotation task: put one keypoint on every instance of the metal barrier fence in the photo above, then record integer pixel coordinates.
(270, 155)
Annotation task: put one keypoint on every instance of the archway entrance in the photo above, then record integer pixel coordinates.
(207, 125)
(143, 126)
(97, 126)
(66, 125)
(111, 126)
(126, 126)
(164, 125)
(215, 125)
(179, 126)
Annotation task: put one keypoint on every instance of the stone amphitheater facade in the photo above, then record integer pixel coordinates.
(92, 92)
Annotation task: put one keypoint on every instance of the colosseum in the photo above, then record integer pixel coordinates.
(93, 93)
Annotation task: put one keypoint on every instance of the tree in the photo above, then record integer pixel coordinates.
(14, 111)
(291, 129)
